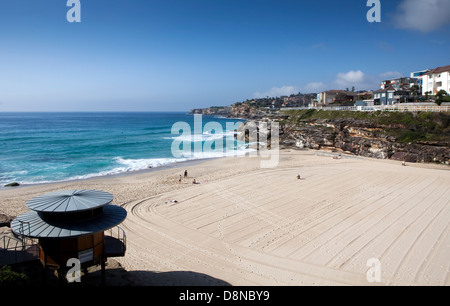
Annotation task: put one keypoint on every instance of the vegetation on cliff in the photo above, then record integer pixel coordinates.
(406, 127)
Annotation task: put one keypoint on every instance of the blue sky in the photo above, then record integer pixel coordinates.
(174, 55)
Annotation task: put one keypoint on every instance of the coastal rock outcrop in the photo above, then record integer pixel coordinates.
(257, 133)
(5, 220)
(388, 135)
(360, 138)
(243, 111)
(212, 111)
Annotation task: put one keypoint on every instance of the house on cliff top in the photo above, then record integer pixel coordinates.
(332, 96)
(435, 80)
(384, 96)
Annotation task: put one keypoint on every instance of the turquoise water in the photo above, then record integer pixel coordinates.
(51, 147)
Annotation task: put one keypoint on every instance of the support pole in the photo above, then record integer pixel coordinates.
(103, 270)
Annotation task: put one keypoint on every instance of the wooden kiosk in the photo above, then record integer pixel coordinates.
(71, 224)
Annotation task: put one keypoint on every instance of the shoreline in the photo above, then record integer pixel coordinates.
(189, 163)
(172, 170)
(166, 176)
(113, 168)
(186, 163)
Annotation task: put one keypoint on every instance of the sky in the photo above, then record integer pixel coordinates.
(175, 55)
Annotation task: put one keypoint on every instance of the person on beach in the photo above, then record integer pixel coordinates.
(298, 176)
(179, 179)
(185, 173)
(194, 182)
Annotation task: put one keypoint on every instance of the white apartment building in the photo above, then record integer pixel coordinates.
(435, 80)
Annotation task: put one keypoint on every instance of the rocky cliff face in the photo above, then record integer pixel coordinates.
(212, 111)
(362, 138)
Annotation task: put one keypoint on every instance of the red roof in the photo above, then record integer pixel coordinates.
(389, 88)
(439, 70)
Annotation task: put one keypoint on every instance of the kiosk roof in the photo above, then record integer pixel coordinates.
(70, 201)
(32, 225)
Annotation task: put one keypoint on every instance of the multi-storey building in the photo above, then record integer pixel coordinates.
(435, 80)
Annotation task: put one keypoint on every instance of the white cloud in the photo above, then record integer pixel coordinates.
(277, 92)
(391, 75)
(358, 79)
(351, 78)
(423, 15)
(315, 87)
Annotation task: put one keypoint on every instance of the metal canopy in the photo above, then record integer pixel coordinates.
(70, 201)
(32, 225)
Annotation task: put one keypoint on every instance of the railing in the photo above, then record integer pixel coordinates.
(6, 242)
(417, 108)
(390, 108)
(118, 235)
(22, 235)
(14, 250)
(8, 255)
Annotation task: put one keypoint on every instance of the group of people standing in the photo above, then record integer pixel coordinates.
(185, 176)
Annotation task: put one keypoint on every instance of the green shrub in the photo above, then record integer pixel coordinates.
(405, 126)
(410, 136)
(9, 277)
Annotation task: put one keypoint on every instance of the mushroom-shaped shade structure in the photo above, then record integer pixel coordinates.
(71, 224)
(68, 213)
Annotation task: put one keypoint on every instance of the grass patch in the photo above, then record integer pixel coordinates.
(407, 136)
(405, 126)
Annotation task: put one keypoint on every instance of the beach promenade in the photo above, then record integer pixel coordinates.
(244, 225)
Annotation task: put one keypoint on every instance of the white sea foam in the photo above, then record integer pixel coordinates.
(124, 165)
(142, 164)
(130, 165)
(78, 163)
(133, 165)
(203, 137)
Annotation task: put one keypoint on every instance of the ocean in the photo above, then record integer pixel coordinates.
(54, 147)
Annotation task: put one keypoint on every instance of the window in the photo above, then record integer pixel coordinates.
(383, 95)
(391, 95)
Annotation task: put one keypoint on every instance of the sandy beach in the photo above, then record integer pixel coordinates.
(244, 225)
